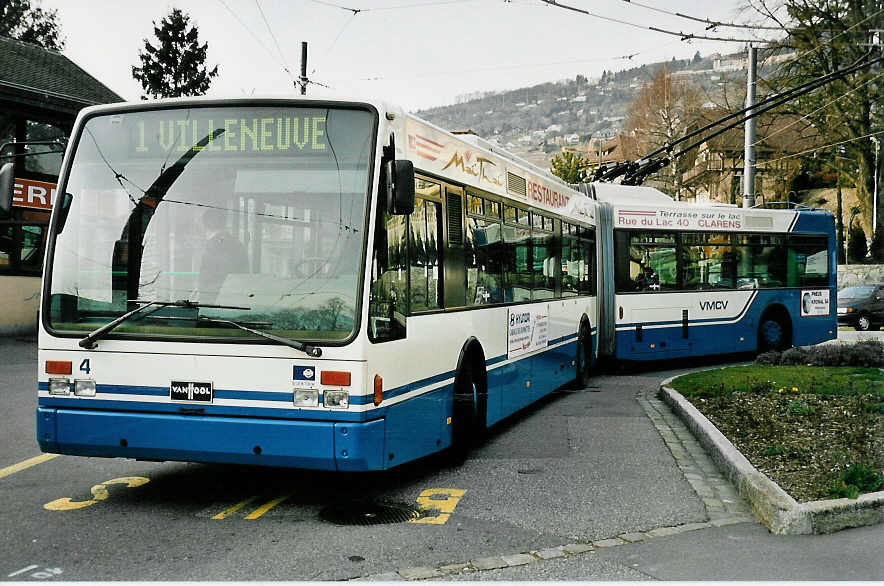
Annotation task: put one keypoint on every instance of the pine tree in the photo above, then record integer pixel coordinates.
(570, 167)
(20, 20)
(177, 66)
(856, 246)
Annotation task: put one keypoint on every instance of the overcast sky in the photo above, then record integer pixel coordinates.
(417, 53)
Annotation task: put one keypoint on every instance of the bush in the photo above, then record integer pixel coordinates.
(770, 358)
(828, 355)
(869, 353)
(855, 479)
(794, 357)
(856, 246)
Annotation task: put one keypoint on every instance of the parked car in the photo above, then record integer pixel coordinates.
(862, 306)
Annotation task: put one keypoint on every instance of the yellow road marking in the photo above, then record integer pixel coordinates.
(99, 493)
(266, 507)
(227, 512)
(429, 501)
(4, 472)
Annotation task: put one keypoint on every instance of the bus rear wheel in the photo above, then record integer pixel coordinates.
(773, 334)
(584, 357)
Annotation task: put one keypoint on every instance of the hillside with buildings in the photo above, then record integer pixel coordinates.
(536, 122)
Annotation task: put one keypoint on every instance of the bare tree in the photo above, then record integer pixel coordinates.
(662, 111)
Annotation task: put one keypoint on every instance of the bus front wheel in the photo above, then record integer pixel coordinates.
(467, 417)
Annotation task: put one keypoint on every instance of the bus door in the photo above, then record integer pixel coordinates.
(454, 287)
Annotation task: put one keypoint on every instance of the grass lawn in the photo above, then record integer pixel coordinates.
(802, 426)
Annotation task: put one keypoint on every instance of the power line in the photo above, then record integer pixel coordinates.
(815, 149)
(356, 11)
(627, 57)
(830, 41)
(248, 30)
(824, 106)
(684, 36)
(636, 171)
(276, 42)
(713, 24)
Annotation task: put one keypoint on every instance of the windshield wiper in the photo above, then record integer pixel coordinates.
(89, 341)
(314, 351)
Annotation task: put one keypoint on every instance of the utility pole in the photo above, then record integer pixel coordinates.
(842, 256)
(875, 194)
(749, 135)
(303, 78)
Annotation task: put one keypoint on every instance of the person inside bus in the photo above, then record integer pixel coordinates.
(647, 279)
(223, 255)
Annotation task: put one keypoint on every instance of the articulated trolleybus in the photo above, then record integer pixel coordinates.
(684, 279)
(321, 284)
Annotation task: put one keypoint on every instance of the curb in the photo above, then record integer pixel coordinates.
(570, 550)
(778, 511)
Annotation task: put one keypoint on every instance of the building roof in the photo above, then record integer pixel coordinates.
(40, 75)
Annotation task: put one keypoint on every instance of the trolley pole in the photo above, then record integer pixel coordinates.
(749, 135)
(303, 79)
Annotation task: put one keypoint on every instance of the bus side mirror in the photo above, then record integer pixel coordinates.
(400, 187)
(64, 209)
(7, 182)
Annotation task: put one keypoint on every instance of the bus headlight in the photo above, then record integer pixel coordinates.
(84, 388)
(59, 386)
(305, 397)
(336, 399)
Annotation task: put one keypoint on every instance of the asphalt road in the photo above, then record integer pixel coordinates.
(579, 466)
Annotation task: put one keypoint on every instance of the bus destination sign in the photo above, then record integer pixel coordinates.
(230, 135)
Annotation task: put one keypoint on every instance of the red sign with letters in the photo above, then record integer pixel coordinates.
(27, 193)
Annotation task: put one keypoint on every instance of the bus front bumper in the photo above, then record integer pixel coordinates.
(317, 445)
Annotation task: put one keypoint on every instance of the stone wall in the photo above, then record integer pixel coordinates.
(849, 275)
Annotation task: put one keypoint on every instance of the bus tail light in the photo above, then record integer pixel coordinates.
(621, 312)
(378, 389)
(58, 367)
(335, 378)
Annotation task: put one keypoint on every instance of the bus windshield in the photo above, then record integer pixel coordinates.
(260, 210)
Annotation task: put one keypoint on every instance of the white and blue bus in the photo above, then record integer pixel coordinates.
(323, 284)
(686, 279)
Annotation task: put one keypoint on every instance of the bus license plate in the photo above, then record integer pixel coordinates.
(190, 391)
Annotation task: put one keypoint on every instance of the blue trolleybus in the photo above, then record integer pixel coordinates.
(685, 279)
(339, 285)
(324, 284)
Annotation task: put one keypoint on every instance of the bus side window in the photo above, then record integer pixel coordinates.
(424, 244)
(389, 278)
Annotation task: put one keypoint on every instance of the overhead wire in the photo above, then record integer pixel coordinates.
(285, 65)
(819, 46)
(397, 7)
(684, 36)
(824, 106)
(257, 39)
(820, 148)
(713, 24)
(636, 171)
(626, 57)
